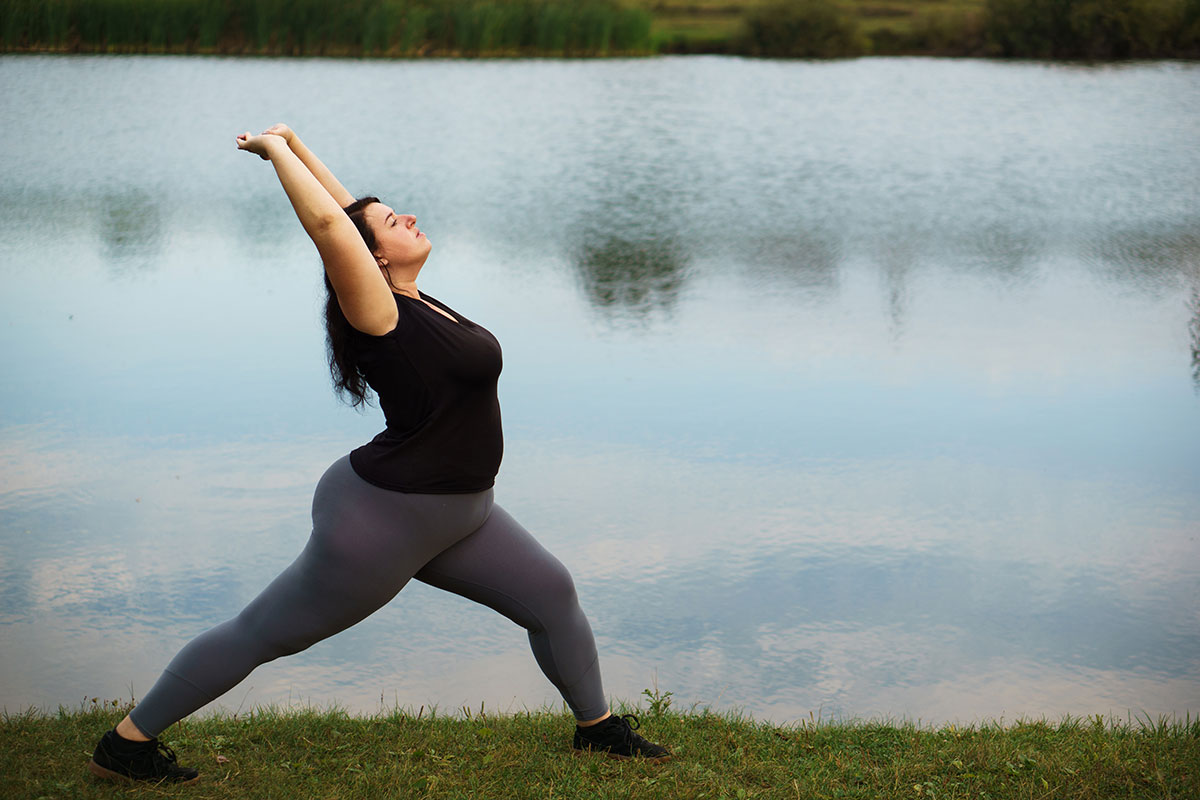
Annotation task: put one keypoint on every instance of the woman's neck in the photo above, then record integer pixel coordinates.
(407, 288)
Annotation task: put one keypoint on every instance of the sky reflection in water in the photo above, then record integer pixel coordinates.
(861, 388)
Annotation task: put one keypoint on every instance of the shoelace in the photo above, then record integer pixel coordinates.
(158, 759)
(167, 754)
(627, 729)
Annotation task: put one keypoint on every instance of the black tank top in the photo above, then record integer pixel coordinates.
(436, 381)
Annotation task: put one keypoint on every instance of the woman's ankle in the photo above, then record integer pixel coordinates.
(592, 722)
(127, 730)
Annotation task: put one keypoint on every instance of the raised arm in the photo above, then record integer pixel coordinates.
(309, 159)
(362, 291)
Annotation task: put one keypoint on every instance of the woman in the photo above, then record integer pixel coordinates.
(416, 501)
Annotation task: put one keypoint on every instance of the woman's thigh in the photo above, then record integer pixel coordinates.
(502, 566)
(366, 544)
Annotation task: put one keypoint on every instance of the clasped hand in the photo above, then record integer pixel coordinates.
(261, 143)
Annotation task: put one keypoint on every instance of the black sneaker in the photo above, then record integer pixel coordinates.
(121, 759)
(615, 738)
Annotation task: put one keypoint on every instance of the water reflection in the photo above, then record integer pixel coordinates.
(1154, 256)
(264, 227)
(630, 246)
(130, 225)
(1002, 251)
(992, 608)
(897, 264)
(1194, 330)
(822, 610)
(803, 259)
(891, 415)
(633, 276)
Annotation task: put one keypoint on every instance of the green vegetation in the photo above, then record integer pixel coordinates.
(322, 27)
(1100, 29)
(801, 29)
(1088, 29)
(472, 754)
(1095, 29)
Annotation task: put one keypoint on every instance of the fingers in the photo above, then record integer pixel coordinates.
(280, 130)
(245, 141)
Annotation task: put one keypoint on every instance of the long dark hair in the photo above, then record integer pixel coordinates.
(348, 379)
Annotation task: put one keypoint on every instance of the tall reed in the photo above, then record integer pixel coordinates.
(322, 27)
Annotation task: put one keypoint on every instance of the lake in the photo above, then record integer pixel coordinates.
(849, 389)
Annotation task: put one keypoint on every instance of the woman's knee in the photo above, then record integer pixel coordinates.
(557, 586)
(269, 638)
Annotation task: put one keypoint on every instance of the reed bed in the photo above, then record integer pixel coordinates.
(396, 28)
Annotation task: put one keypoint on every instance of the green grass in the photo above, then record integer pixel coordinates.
(476, 754)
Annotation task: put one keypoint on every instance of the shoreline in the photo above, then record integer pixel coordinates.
(504, 56)
(269, 752)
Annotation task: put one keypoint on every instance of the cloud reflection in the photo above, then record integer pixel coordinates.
(798, 599)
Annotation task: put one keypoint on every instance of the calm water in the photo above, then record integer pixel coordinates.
(860, 389)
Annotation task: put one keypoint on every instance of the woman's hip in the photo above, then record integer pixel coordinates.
(344, 499)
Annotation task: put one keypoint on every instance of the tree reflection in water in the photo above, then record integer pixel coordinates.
(802, 260)
(130, 227)
(636, 276)
(1194, 330)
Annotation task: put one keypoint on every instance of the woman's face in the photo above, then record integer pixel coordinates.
(399, 243)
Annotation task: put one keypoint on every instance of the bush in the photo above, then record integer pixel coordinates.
(800, 29)
(1094, 29)
(956, 32)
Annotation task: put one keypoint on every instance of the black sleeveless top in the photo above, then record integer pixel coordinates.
(436, 381)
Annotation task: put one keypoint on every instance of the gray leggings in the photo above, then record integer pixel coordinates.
(366, 544)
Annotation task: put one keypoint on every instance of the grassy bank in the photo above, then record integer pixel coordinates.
(472, 754)
(1065, 29)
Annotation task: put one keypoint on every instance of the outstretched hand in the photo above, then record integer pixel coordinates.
(279, 129)
(259, 144)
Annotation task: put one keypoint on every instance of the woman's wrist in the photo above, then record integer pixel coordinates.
(274, 144)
